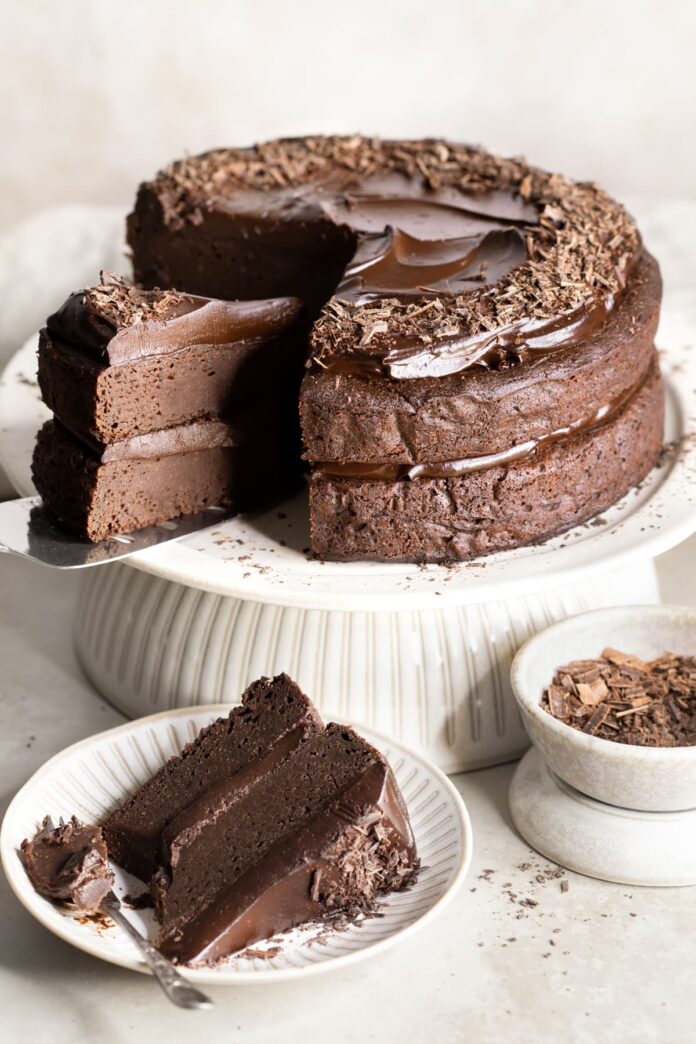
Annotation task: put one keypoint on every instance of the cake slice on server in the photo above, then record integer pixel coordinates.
(269, 819)
(166, 403)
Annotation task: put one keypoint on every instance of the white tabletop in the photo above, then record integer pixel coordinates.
(513, 958)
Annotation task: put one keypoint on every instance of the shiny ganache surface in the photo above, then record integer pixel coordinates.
(446, 256)
(118, 323)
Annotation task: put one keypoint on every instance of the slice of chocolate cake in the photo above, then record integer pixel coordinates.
(166, 403)
(116, 361)
(269, 819)
(274, 717)
(69, 863)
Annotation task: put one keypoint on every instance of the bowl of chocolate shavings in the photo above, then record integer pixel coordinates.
(609, 699)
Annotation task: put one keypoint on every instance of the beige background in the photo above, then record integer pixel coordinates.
(96, 94)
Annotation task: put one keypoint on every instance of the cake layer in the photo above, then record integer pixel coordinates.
(272, 248)
(274, 715)
(344, 858)
(116, 361)
(230, 830)
(477, 513)
(111, 403)
(480, 411)
(97, 499)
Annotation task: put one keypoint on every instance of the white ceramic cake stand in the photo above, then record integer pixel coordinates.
(422, 653)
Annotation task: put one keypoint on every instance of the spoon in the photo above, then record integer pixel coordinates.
(177, 989)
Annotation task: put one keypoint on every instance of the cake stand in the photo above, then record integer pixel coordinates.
(421, 653)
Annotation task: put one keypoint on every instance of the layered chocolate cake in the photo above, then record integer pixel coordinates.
(267, 820)
(166, 403)
(69, 863)
(481, 367)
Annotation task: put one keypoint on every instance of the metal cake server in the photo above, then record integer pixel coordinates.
(177, 988)
(27, 529)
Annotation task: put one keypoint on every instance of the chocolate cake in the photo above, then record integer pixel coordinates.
(267, 820)
(166, 403)
(481, 364)
(69, 863)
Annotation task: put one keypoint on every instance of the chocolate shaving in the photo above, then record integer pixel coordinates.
(121, 304)
(628, 700)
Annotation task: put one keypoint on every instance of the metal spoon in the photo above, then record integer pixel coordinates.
(177, 989)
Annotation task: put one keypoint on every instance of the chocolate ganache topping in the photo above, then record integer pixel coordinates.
(118, 323)
(460, 258)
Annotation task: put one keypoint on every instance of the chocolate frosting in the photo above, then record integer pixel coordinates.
(418, 244)
(414, 241)
(166, 442)
(117, 323)
(460, 258)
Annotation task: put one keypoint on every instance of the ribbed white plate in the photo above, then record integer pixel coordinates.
(265, 558)
(94, 775)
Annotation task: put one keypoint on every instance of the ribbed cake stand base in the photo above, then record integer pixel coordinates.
(436, 679)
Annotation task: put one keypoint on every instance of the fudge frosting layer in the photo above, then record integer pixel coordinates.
(117, 323)
(443, 256)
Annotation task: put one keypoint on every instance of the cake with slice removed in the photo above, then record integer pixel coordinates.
(267, 820)
(481, 368)
(166, 403)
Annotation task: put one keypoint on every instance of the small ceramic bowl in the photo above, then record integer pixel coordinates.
(645, 778)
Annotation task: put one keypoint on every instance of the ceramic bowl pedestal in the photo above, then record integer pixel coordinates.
(616, 811)
(435, 679)
(600, 840)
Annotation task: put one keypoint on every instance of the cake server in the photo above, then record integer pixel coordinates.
(27, 529)
(176, 987)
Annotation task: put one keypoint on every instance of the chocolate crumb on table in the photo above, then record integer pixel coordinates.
(622, 698)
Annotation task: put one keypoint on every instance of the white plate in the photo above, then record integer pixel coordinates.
(93, 776)
(261, 558)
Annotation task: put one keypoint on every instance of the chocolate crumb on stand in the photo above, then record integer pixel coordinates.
(622, 698)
